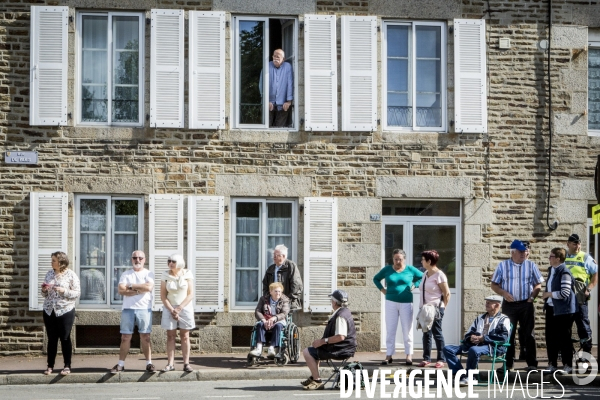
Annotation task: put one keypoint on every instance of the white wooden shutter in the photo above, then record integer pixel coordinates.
(320, 73)
(359, 73)
(207, 70)
(48, 65)
(470, 76)
(48, 224)
(166, 236)
(205, 250)
(320, 252)
(166, 69)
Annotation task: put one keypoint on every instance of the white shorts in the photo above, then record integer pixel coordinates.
(186, 319)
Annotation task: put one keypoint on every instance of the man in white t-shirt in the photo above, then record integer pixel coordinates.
(136, 286)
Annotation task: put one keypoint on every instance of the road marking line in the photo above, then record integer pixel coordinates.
(136, 398)
(317, 394)
(220, 397)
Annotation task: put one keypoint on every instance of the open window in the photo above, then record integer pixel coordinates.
(255, 41)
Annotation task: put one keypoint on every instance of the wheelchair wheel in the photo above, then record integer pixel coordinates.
(294, 344)
(281, 361)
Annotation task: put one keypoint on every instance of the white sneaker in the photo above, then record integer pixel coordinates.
(463, 382)
(567, 369)
(256, 352)
(271, 352)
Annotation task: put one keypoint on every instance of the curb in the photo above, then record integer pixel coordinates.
(246, 374)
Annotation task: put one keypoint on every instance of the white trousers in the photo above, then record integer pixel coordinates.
(393, 312)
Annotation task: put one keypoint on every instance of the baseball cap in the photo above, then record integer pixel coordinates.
(340, 296)
(574, 238)
(518, 245)
(494, 297)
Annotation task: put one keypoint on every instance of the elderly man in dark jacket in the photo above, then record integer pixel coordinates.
(284, 271)
(486, 329)
(338, 341)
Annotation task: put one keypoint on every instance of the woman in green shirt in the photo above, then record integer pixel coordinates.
(400, 279)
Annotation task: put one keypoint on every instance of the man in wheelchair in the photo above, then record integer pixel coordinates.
(271, 313)
(338, 341)
(487, 328)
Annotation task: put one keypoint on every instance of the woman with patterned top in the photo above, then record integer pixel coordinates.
(176, 294)
(61, 290)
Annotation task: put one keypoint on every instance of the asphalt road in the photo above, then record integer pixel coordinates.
(271, 389)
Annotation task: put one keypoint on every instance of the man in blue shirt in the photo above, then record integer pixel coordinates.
(519, 281)
(281, 89)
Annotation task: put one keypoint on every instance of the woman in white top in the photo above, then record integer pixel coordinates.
(434, 291)
(176, 294)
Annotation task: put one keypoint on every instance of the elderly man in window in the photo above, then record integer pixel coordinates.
(281, 89)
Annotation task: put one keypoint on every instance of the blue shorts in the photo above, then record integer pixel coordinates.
(131, 317)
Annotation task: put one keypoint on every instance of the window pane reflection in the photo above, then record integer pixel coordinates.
(251, 42)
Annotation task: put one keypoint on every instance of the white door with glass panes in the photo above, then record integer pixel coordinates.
(108, 230)
(258, 225)
(416, 226)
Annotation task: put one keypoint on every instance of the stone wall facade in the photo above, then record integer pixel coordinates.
(501, 178)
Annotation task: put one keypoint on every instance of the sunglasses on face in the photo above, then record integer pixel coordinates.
(171, 261)
(137, 258)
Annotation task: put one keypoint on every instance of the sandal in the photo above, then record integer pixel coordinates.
(187, 368)
(66, 371)
(48, 371)
(439, 364)
(168, 368)
(424, 364)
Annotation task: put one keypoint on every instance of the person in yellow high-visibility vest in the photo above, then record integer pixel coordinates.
(583, 267)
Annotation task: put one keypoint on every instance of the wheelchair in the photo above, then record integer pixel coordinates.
(289, 344)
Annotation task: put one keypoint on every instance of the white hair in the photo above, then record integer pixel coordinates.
(282, 249)
(179, 261)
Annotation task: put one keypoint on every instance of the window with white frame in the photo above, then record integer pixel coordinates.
(108, 230)
(414, 75)
(110, 54)
(594, 83)
(255, 83)
(257, 227)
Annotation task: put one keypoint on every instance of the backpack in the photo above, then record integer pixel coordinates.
(353, 367)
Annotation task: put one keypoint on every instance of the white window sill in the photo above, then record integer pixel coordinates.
(269, 136)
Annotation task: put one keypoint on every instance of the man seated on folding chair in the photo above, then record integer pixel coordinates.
(485, 330)
(338, 341)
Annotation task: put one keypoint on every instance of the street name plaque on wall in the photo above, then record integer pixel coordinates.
(21, 157)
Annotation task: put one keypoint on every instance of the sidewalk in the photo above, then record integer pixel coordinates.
(19, 370)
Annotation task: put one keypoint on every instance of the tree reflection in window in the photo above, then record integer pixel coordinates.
(251, 62)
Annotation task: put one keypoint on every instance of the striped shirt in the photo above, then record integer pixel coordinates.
(565, 287)
(517, 279)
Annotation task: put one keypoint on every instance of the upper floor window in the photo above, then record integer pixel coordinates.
(414, 76)
(108, 230)
(265, 90)
(110, 54)
(258, 226)
(594, 84)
